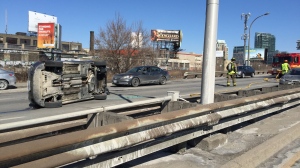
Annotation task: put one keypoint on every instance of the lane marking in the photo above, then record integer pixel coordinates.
(10, 118)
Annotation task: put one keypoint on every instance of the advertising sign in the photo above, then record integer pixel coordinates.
(166, 35)
(256, 53)
(34, 18)
(46, 35)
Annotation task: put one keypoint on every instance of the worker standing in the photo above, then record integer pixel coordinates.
(285, 67)
(232, 69)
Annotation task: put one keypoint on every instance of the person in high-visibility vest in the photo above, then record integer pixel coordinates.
(285, 67)
(232, 69)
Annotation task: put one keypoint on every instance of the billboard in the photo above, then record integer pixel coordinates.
(46, 35)
(34, 18)
(256, 53)
(166, 35)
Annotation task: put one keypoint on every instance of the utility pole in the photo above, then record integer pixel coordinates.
(5, 21)
(209, 54)
(245, 36)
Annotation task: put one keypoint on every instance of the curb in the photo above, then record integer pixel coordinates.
(266, 150)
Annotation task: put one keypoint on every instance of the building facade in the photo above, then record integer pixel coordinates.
(19, 48)
(266, 41)
(184, 61)
(29, 43)
(222, 46)
(238, 54)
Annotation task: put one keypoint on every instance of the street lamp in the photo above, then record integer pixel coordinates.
(244, 37)
(248, 57)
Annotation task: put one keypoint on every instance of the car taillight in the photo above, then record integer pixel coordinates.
(11, 74)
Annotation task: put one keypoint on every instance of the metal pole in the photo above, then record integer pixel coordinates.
(209, 56)
(248, 57)
(246, 16)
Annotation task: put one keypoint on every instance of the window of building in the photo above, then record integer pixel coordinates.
(10, 40)
(34, 42)
(25, 41)
(175, 64)
(187, 66)
(181, 65)
(1, 40)
(65, 47)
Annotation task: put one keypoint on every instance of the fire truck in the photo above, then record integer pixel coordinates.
(278, 59)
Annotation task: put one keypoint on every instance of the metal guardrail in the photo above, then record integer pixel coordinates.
(28, 129)
(118, 143)
(218, 74)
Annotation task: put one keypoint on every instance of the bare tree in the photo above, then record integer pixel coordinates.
(123, 46)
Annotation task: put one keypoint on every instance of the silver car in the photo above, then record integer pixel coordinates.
(290, 78)
(7, 78)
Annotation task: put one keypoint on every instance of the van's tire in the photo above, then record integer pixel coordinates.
(100, 97)
(252, 74)
(53, 104)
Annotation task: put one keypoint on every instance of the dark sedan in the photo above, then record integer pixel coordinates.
(290, 78)
(243, 71)
(142, 75)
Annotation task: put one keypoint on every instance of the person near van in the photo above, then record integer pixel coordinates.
(231, 74)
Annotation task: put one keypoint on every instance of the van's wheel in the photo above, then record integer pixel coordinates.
(100, 97)
(252, 75)
(135, 82)
(3, 84)
(53, 104)
(33, 105)
(243, 75)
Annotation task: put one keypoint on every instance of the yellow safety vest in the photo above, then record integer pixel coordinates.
(284, 68)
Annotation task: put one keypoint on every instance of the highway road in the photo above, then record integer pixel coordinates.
(15, 106)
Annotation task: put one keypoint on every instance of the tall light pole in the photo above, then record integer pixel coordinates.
(244, 37)
(248, 56)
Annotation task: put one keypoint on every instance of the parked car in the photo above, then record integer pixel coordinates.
(7, 78)
(244, 70)
(290, 78)
(142, 75)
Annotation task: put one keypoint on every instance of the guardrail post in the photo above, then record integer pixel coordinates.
(179, 148)
(174, 94)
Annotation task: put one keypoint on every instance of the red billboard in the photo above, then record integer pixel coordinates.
(46, 35)
(166, 35)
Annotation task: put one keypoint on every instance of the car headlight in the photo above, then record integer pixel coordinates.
(127, 77)
(239, 72)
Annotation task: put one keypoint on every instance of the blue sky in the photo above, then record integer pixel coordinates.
(79, 17)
